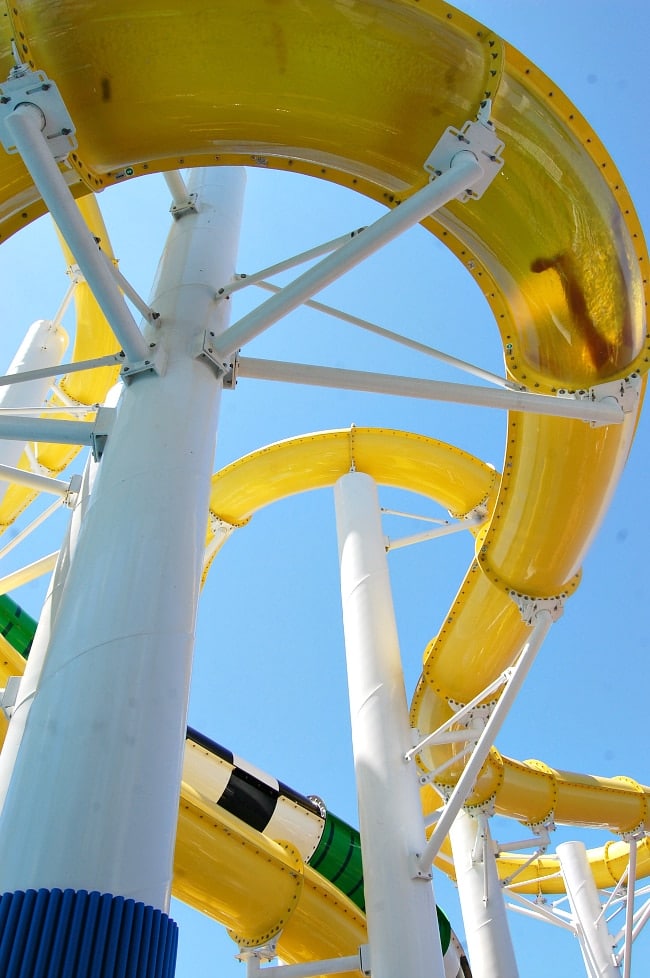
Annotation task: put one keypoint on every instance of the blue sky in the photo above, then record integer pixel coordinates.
(269, 675)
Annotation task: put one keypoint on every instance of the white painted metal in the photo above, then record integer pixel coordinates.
(447, 529)
(90, 785)
(256, 278)
(135, 298)
(40, 483)
(607, 411)
(44, 565)
(177, 187)
(402, 929)
(464, 171)
(629, 911)
(24, 125)
(389, 334)
(489, 945)
(42, 348)
(27, 376)
(25, 428)
(466, 781)
(596, 943)
(35, 523)
(310, 969)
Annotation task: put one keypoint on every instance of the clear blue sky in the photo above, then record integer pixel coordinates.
(269, 677)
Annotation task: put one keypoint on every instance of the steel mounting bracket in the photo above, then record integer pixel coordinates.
(227, 372)
(625, 392)
(477, 137)
(27, 87)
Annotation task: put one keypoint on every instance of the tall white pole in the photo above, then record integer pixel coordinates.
(491, 954)
(90, 775)
(595, 941)
(402, 927)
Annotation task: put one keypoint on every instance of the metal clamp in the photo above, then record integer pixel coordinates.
(26, 87)
(178, 210)
(226, 372)
(101, 430)
(152, 365)
(625, 392)
(531, 607)
(74, 488)
(9, 695)
(480, 139)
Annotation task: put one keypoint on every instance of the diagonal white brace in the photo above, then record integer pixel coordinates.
(465, 169)
(26, 131)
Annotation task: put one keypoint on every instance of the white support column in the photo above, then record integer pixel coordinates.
(596, 943)
(90, 773)
(489, 944)
(402, 927)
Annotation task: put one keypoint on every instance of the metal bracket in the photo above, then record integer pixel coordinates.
(264, 952)
(26, 87)
(71, 495)
(102, 429)
(480, 139)
(364, 959)
(152, 365)
(417, 873)
(531, 607)
(626, 392)
(227, 372)
(186, 207)
(9, 695)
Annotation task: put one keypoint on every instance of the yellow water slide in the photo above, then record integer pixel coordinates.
(555, 247)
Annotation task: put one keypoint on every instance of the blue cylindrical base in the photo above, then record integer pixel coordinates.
(76, 934)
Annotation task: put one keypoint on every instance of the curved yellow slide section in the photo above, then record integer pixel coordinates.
(554, 245)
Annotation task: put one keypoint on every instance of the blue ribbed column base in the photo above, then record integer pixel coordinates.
(76, 934)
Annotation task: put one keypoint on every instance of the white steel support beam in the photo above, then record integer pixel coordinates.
(89, 786)
(21, 428)
(29, 573)
(40, 373)
(400, 909)
(466, 781)
(596, 943)
(39, 483)
(309, 969)
(629, 911)
(489, 945)
(24, 125)
(464, 171)
(389, 334)
(606, 411)
(243, 280)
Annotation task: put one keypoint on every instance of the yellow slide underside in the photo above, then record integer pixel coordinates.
(359, 94)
